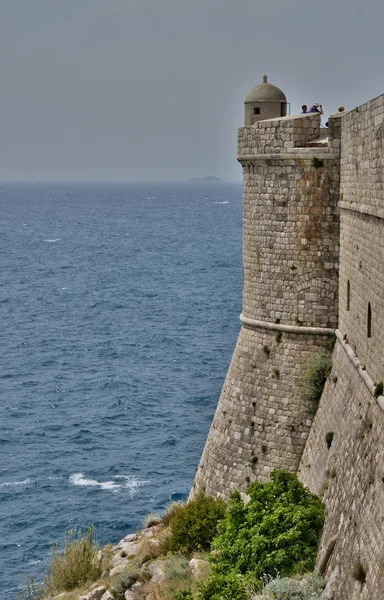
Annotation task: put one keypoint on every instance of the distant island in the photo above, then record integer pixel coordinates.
(209, 179)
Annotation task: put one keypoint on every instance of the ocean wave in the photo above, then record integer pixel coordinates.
(131, 483)
(51, 241)
(224, 202)
(15, 483)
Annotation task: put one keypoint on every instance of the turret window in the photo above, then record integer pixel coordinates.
(348, 294)
(369, 321)
(256, 110)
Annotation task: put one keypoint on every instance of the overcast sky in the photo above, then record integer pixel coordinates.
(154, 89)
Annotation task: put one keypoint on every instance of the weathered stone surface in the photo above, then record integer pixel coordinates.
(331, 586)
(119, 568)
(95, 594)
(156, 570)
(136, 586)
(107, 596)
(198, 567)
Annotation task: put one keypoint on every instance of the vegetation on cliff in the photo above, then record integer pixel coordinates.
(276, 532)
(203, 550)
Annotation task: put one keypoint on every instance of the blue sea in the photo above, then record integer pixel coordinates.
(119, 311)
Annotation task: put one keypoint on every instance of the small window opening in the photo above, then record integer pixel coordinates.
(369, 322)
(256, 110)
(348, 294)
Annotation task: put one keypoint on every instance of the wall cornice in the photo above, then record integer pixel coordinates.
(286, 328)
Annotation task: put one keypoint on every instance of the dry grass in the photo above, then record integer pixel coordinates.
(75, 566)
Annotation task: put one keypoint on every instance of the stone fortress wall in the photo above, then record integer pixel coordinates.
(290, 257)
(295, 294)
(350, 473)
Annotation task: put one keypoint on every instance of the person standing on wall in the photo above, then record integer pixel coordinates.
(316, 108)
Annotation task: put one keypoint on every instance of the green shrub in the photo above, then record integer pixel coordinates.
(379, 388)
(183, 595)
(318, 369)
(278, 337)
(170, 511)
(230, 586)
(309, 587)
(329, 439)
(123, 583)
(194, 525)
(74, 566)
(276, 532)
(176, 567)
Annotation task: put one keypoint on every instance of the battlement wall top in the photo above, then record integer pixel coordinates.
(284, 134)
(278, 135)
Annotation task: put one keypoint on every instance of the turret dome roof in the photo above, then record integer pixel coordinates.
(265, 92)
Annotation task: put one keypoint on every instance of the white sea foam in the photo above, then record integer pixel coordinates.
(131, 483)
(224, 202)
(79, 479)
(52, 241)
(15, 483)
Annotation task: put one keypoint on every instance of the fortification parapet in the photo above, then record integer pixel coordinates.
(278, 136)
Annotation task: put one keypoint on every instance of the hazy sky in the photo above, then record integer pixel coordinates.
(154, 89)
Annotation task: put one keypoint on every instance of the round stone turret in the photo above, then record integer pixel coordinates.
(264, 101)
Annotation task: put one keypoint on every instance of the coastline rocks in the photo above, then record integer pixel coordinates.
(96, 594)
(198, 567)
(156, 570)
(127, 548)
(107, 596)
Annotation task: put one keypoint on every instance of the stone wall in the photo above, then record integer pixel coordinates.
(362, 229)
(290, 258)
(290, 301)
(291, 239)
(350, 474)
(262, 419)
(278, 135)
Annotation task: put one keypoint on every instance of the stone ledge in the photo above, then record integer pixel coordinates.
(287, 328)
(369, 383)
(320, 152)
(364, 209)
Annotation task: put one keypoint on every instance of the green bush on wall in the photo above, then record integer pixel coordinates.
(276, 532)
(194, 525)
(319, 367)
